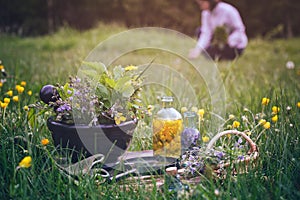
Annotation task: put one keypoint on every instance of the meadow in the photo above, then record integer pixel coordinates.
(261, 72)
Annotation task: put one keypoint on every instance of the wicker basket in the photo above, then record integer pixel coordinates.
(248, 159)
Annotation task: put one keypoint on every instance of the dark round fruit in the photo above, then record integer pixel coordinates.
(48, 93)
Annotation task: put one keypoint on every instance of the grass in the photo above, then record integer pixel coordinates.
(259, 73)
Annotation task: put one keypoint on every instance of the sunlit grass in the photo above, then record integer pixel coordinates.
(260, 72)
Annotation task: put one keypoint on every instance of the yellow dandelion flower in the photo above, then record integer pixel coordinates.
(236, 124)
(10, 93)
(45, 141)
(3, 105)
(25, 162)
(119, 118)
(6, 100)
(201, 113)
(1, 84)
(231, 116)
(183, 109)
(26, 108)
(29, 92)
(275, 118)
(298, 104)
(1, 67)
(265, 101)
(130, 68)
(267, 125)
(23, 83)
(15, 98)
(262, 122)
(205, 139)
(20, 89)
(275, 110)
(17, 86)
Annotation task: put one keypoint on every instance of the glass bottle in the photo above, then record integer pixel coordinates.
(190, 134)
(167, 128)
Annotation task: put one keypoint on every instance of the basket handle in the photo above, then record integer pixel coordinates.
(253, 147)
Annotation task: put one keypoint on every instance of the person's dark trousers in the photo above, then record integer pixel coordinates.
(225, 53)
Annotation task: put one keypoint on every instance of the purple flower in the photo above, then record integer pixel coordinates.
(189, 136)
(241, 157)
(220, 154)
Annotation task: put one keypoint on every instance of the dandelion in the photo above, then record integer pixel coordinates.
(23, 83)
(119, 118)
(20, 89)
(205, 139)
(29, 92)
(3, 105)
(26, 108)
(262, 122)
(265, 101)
(1, 84)
(25, 162)
(248, 133)
(231, 116)
(275, 110)
(1, 67)
(6, 100)
(275, 118)
(183, 109)
(15, 98)
(9, 93)
(201, 113)
(236, 124)
(130, 68)
(298, 104)
(45, 141)
(267, 125)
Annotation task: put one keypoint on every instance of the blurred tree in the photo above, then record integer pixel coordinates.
(32, 17)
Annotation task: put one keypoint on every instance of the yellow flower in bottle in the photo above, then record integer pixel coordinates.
(9, 93)
(205, 139)
(6, 100)
(275, 118)
(267, 125)
(45, 141)
(298, 104)
(275, 110)
(29, 92)
(265, 101)
(130, 68)
(236, 124)
(15, 98)
(23, 83)
(201, 113)
(25, 162)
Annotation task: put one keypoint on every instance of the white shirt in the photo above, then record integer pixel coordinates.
(223, 15)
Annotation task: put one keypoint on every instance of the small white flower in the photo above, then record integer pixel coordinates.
(290, 65)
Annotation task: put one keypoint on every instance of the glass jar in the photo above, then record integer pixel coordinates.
(190, 134)
(167, 128)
